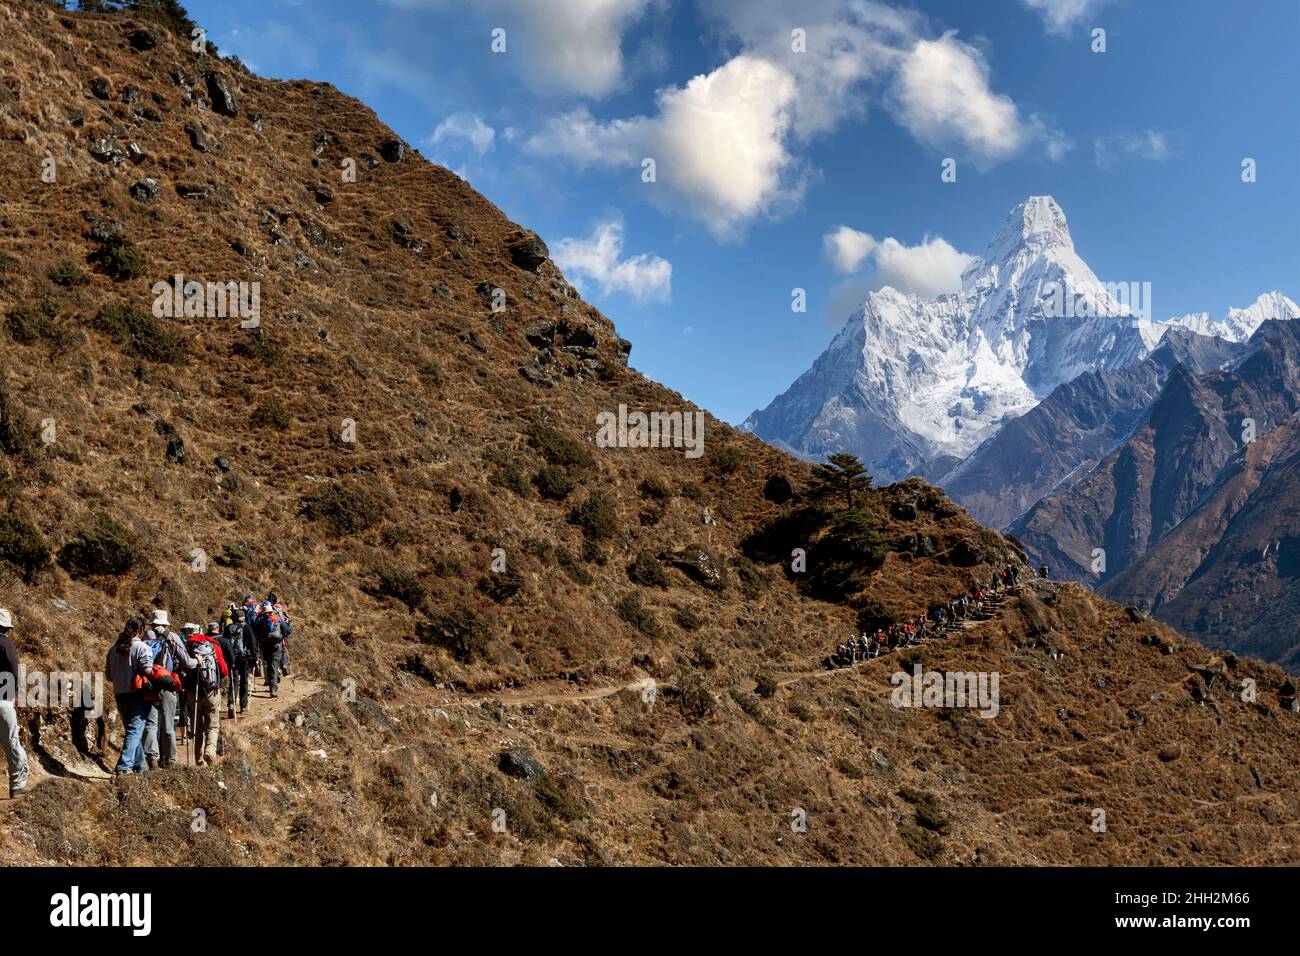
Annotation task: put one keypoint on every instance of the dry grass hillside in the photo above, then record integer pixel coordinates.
(474, 431)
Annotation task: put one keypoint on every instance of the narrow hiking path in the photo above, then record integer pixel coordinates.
(559, 693)
(54, 762)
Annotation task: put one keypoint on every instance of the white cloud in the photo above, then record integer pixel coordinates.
(574, 46)
(1061, 15)
(847, 44)
(729, 143)
(930, 268)
(848, 248)
(645, 277)
(1148, 144)
(466, 129)
(942, 96)
(718, 143)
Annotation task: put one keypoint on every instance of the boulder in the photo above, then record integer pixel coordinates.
(393, 150)
(145, 190)
(106, 150)
(100, 88)
(579, 337)
(967, 553)
(698, 565)
(222, 96)
(1135, 614)
(519, 763)
(779, 488)
(198, 138)
(904, 510)
(540, 332)
(144, 39)
(528, 252)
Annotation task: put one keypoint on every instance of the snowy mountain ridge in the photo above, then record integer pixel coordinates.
(908, 380)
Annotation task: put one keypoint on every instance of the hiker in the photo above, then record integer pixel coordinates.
(206, 680)
(243, 651)
(267, 631)
(168, 652)
(127, 668)
(9, 675)
(184, 705)
(286, 630)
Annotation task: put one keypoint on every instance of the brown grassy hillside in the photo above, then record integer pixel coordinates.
(474, 431)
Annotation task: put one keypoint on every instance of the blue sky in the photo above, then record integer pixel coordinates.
(762, 152)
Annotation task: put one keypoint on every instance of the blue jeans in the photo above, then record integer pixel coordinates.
(135, 714)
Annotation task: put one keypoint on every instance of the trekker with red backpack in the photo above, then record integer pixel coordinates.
(206, 680)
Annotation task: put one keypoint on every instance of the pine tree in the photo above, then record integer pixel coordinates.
(842, 472)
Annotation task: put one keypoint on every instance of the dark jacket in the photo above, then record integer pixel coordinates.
(243, 645)
(9, 659)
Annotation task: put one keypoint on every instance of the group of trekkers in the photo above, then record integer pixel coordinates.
(939, 619)
(161, 679)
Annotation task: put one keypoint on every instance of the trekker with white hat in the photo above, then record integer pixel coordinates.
(9, 742)
(168, 650)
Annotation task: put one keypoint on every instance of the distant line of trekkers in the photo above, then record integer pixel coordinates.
(940, 618)
(161, 678)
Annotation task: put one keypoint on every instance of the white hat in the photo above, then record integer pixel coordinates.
(190, 629)
(160, 619)
(6, 619)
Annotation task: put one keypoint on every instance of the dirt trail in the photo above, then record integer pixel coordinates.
(47, 764)
(560, 693)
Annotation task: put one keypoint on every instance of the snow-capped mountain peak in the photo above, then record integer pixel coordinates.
(910, 380)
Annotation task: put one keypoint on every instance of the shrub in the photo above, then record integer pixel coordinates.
(347, 508)
(236, 554)
(692, 491)
(139, 333)
(258, 348)
(460, 631)
(17, 436)
(647, 570)
(570, 566)
(558, 448)
(656, 488)
(688, 620)
(928, 812)
(39, 322)
(501, 585)
(105, 547)
(22, 546)
(270, 413)
(631, 610)
(596, 516)
(728, 460)
(766, 686)
(402, 583)
(68, 274)
(121, 258)
(554, 482)
(507, 473)
(694, 697)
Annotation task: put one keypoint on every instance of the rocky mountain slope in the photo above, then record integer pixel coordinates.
(1061, 440)
(1177, 481)
(1229, 575)
(391, 431)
